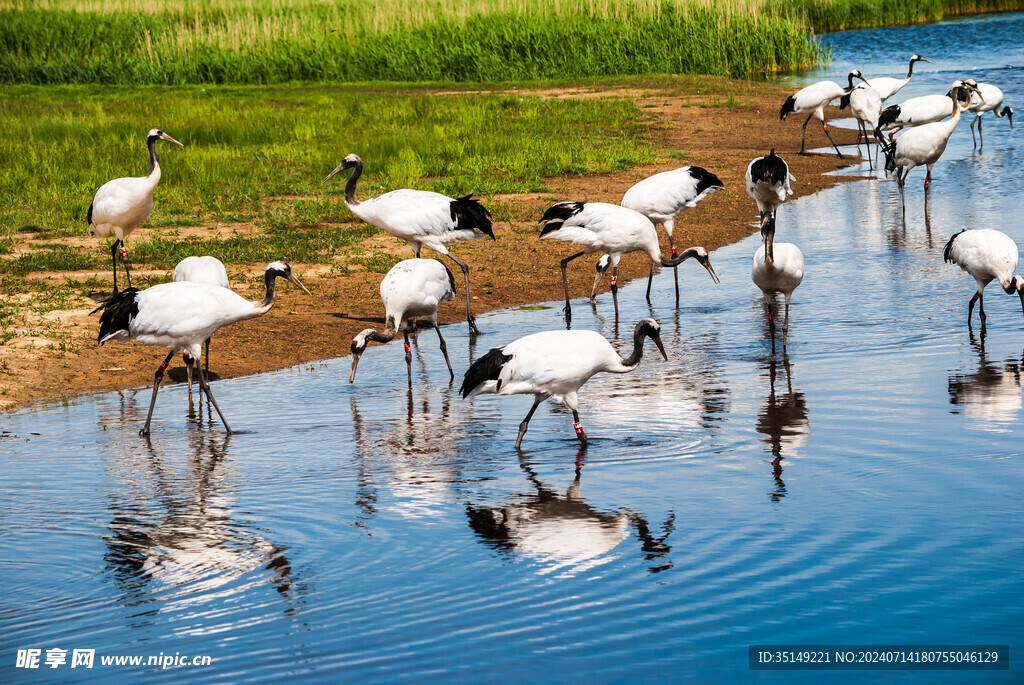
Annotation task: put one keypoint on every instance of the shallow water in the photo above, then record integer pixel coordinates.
(861, 489)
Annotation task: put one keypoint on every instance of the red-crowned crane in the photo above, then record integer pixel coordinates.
(208, 270)
(422, 218)
(663, 197)
(617, 230)
(813, 99)
(926, 109)
(119, 206)
(989, 99)
(180, 316)
(777, 268)
(923, 145)
(768, 180)
(554, 364)
(987, 255)
(887, 86)
(413, 288)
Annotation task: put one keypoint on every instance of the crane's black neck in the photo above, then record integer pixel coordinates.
(154, 163)
(681, 257)
(270, 277)
(642, 330)
(387, 335)
(910, 70)
(350, 186)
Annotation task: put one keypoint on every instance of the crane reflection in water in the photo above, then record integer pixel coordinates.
(991, 395)
(174, 537)
(783, 421)
(562, 531)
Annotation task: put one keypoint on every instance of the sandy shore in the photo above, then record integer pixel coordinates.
(518, 268)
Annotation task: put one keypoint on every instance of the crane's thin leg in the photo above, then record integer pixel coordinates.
(615, 290)
(124, 258)
(824, 127)
(975, 140)
(579, 428)
(206, 359)
(113, 259)
(650, 279)
(188, 373)
(209, 395)
(981, 307)
(981, 136)
(597, 280)
(565, 283)
(469, 310)
(785, 325)
(444, 350)
(803, 134)
(537, 399)
(408, 351)
(675, 274)
(159, 376)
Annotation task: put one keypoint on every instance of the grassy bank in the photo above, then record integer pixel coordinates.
(177, 41)
(257, 155)
(840, 15)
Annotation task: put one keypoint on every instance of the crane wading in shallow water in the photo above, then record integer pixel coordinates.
(422, 218)
(554, 364)
(923, 145)
(777, 268)
(208, 270)
(813, 99)
(617, 230)
(663, 197)
(987, 255)
(989, 99)
(925, 109)
(180, 316)
(412, 288)
(119, 206)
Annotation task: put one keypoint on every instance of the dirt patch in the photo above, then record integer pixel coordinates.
(55, 354)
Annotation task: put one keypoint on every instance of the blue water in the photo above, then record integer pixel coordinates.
(863, 488)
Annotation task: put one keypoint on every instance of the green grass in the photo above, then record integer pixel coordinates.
(269, 42)
(841, 15)
(258, 154)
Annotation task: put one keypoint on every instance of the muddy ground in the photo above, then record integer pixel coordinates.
(518, 268)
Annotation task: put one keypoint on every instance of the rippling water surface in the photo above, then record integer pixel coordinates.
(862, 489)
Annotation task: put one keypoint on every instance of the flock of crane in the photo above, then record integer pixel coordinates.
(185, 313)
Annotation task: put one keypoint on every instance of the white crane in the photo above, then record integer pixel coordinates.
(554, 364)
(617, 230)
(923, 145)
(413, 288)
(777, 268)
(989, 99)
(866, 106)
(180, 316)
(119, 206)
(768, 180)
(887, 86)
(663, 197)
(422, 218)
(926, 109)
(987, 255)
(208, 270)
(813, 99)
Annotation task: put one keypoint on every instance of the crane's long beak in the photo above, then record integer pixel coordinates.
(291, 278)
(864, 80)
(976, 90)
(336, 170)
(355, 363)
(661, 348)
(166, 137)
(711, 270)
(922, 59)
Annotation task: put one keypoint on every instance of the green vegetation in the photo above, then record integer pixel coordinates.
(264, 41)
(257, 155)
(840, 15)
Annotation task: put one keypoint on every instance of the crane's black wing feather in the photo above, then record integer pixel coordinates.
(486, 368)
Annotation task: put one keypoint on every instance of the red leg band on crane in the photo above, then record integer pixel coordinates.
(674, 252)
(408, 349)
(162, 368)
(615, 280)
(579, 428)
(124, 252)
